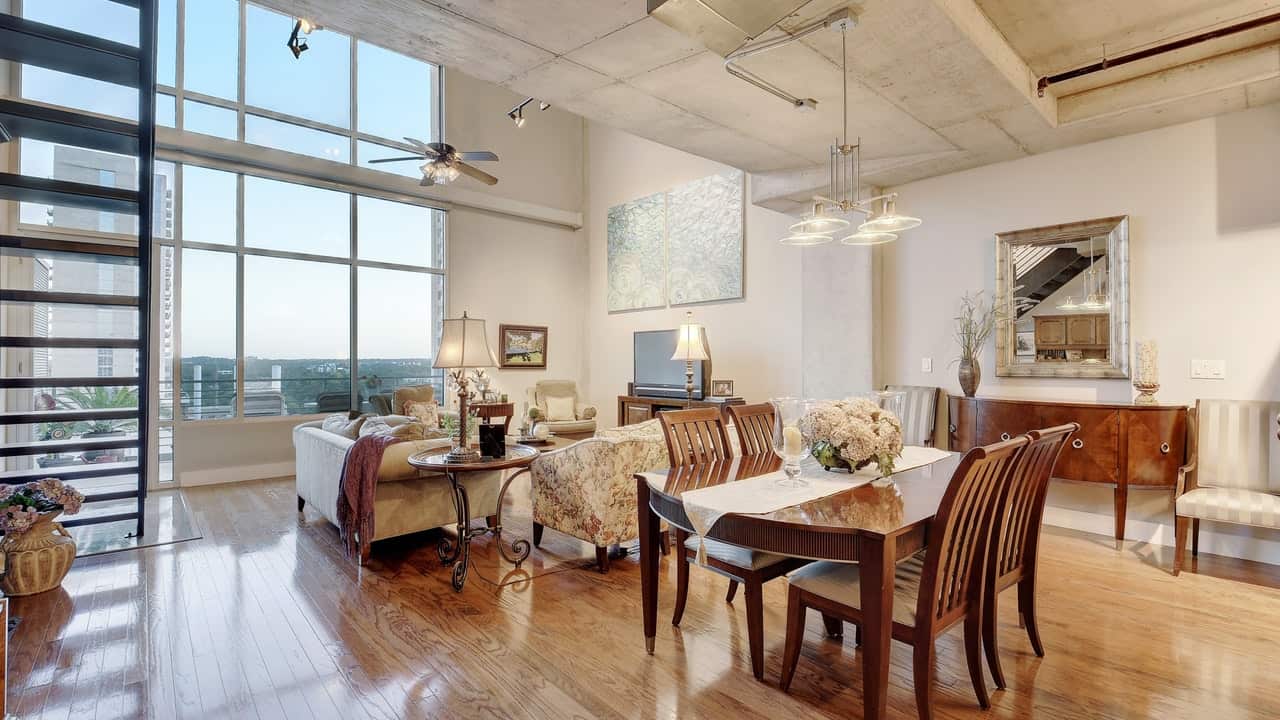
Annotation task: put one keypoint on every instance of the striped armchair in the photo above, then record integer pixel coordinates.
(1233, 474)
(920, 414)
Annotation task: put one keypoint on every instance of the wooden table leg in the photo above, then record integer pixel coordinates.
(1122, 504)
(876, 557)
(649, 532)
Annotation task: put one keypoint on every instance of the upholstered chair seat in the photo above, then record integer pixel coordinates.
(1234, 505)
(840, 582)
(734, 555)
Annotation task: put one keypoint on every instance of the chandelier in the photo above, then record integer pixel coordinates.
(883, 221)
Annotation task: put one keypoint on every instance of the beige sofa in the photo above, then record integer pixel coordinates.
(407, 500)
(583, 423)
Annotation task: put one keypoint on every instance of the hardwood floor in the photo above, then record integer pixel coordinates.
(264, 618)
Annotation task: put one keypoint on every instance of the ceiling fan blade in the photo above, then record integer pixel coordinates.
(474, 155)
(476, 173)
(425, 148)
(398, 159)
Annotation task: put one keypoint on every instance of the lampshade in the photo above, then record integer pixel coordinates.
(890, 221)
(692, 344)
(463, 344)
(819, 223)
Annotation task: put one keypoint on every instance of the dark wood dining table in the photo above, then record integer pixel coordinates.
(875, 524)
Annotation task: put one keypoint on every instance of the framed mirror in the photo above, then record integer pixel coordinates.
(1064, 295)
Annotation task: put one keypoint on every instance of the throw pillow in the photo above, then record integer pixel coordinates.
(560, 409)
(340, 425)
(427, 413)
(403, 431)
(402, 396)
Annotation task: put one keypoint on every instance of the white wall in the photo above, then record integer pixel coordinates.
(1204, 256)
(500, 269)
(756, 341)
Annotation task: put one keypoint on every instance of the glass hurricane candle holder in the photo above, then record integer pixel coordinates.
(792, 438)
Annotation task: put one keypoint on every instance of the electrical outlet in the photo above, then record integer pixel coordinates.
(926, 365)
(1208, 369)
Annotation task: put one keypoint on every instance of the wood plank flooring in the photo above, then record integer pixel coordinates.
(264, 618)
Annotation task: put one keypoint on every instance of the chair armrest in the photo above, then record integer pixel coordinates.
(1186, 479)
(587, 412)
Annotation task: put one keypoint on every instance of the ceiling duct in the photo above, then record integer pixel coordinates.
(723, 25)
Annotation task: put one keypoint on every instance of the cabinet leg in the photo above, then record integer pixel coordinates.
(1122, 503)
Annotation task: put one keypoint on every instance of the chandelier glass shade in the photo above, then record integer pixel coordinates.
(889, 221)
(819, 223)
(805, 239)
(863, 237)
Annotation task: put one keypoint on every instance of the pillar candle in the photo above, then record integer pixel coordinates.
(792, 441)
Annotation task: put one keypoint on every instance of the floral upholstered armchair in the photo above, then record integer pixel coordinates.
(588, 490)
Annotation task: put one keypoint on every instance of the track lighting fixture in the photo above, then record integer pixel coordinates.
(297, 39)
(544, 105)
(517, 113)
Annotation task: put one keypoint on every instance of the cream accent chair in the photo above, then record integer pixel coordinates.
(1233, 474)
(919, 418)
(407, 500)
(584, 416)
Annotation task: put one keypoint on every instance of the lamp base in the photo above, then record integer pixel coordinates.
(463, 455)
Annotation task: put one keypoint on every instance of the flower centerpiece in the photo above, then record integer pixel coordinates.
(38, 550)
(853, 433)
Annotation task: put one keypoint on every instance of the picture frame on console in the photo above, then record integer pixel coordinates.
(522, 346)
(721, 388)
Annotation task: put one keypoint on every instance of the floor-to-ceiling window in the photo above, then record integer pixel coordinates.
(279, 288)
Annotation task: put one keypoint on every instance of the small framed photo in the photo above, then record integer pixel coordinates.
(1025, 343)
(522, 346)
(721, 388)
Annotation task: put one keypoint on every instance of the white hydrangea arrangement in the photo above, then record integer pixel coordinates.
(853, 433)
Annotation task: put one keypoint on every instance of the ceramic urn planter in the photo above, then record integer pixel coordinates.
(38, 559)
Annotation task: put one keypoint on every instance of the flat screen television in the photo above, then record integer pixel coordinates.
(655, 373)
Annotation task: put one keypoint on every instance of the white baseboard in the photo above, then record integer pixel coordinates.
(1257, 544)
(239, 473)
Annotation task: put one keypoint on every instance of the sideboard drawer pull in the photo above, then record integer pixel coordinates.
(1164, 448)
(1077, 443)
(1004, 436)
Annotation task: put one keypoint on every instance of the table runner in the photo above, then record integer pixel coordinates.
(762, 494)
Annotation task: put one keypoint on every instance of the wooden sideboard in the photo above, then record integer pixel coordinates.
(1121, 445)
(634, 409)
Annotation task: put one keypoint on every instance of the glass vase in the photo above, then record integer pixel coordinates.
(792, 438)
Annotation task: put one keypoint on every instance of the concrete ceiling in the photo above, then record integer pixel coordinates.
(936, 86)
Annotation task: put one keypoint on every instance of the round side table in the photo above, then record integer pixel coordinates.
(517, 456)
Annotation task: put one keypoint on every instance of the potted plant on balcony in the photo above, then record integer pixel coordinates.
(38, 550)
(101, 398)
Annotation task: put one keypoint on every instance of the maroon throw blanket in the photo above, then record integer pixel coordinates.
(356, 489)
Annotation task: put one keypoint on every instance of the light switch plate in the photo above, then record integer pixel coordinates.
(1208, 369)
(926, 365)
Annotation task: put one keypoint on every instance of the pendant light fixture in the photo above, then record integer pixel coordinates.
(1094, 300)
(818, 227)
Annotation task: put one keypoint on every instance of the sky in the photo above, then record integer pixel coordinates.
(293, 309)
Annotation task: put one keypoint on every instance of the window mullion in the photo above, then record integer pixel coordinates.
(239, 250)
(353, 325)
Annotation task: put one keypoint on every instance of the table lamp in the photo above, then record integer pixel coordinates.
(463, 344)
(691, 347)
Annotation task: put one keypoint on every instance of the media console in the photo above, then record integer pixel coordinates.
(634, 409)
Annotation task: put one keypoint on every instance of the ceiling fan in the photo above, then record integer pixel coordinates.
(443, 162)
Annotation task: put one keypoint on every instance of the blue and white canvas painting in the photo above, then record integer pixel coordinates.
(636, 259)
(704, 239)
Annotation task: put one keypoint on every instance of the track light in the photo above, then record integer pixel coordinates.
(297, 42)
(517, 116)
(544, 105)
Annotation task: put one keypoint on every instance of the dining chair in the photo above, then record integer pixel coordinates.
(697, 437)
(933, 590)
(1016, 539)
(754, 424)
(920, 413)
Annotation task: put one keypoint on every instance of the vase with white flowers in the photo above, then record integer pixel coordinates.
(38, 550)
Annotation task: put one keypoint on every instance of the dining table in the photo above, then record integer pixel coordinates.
(875, 524)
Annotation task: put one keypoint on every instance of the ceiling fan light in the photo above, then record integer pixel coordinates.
(863, 237)
(799, 239)
(890, 221)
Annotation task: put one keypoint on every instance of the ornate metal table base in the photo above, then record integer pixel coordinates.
(458, 551)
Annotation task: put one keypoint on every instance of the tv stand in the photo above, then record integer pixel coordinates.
(634, 409)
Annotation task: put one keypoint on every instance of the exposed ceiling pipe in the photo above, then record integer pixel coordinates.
(1168, 47)
(840, 16)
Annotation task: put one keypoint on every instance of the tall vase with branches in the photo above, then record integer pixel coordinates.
(974, 324)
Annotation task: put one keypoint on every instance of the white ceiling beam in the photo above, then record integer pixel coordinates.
(977, 27)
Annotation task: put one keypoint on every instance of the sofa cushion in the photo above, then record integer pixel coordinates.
(411, 393)
(561, 408)
(339, 424)
(427, 413)
(395, 459)
(1233, 505)
(571, 426)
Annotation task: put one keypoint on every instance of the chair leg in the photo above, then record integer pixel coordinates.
(973, 654)
(733, 590)
(1195, 538)
(922, 674)
(990, 641)
(682, 582)
(301, 503)
(602, 559)
(1179, 541)
(795, 636)
(834, 625)
(537, 534)
(1027, 606)
(664, 542)
(755, 626)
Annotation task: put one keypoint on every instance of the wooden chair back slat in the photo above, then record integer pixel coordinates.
(754, 424)
(962, 528)
(1017, 530)
(695, 436)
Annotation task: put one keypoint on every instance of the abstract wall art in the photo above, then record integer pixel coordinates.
(636, 254)
(704, 239)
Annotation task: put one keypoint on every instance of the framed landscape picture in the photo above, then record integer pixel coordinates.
(522, 346)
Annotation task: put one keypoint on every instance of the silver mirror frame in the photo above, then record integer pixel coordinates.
(1117, 231)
